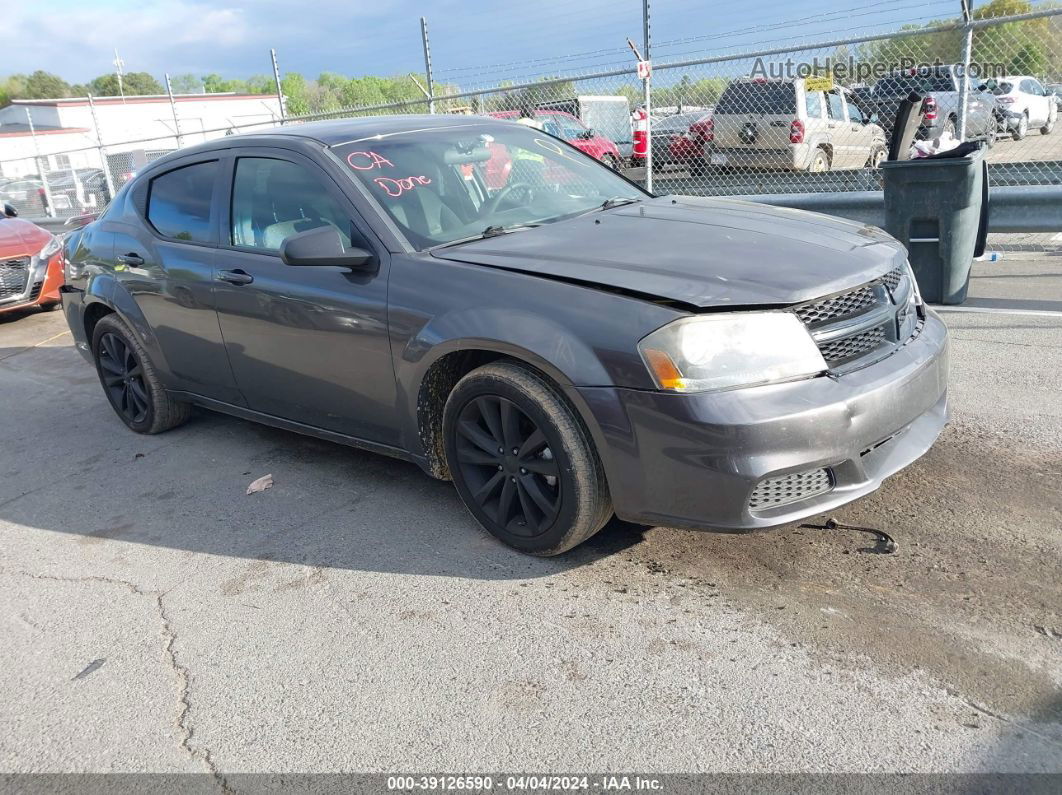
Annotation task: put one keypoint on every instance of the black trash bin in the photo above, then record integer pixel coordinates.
(938, 208)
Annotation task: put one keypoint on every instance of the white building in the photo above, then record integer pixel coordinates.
(61, 134)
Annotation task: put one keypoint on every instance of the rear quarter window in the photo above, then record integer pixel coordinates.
(179, 202)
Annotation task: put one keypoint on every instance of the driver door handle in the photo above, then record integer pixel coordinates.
(132, 258)
(235, 277)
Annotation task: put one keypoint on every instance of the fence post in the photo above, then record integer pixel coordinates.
(103, 151)
(427, 64)
(648, 105)
(42, 164)
(964, 89)
(173, 110)
(276, 79)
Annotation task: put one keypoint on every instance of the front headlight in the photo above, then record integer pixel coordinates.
(50, 248)
(697, 354)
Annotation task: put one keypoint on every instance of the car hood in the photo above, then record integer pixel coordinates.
(20, 238)
(704, 252)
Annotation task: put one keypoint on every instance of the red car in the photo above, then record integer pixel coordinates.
(31, 264)
(566, 126)
(687, 148)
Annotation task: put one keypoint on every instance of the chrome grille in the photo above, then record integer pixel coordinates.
(841, 350)
(861, 325)
(13, 274)
(787, 489)
(892, 279)
(836, 307)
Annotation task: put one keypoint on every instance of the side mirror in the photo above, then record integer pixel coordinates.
(10, 211)
(323, 246)
(983, 87)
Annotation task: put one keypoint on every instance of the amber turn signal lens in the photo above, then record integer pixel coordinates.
(667, 374)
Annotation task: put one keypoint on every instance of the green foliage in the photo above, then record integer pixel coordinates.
(44, 85)
(1029, 47)
(186, 84)
(133, 84)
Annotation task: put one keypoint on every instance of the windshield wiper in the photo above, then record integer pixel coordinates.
(617, 201)
(494, 230)
(607, 204)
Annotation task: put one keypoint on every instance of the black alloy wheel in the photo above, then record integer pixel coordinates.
(508, 465)
(522, 459)
(129, 379)
(123, 378)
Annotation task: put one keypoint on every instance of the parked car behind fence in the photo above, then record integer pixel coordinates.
(780, 124)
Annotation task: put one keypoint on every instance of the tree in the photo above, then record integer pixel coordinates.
(296, 94)
(133, 84)
(186, 84)
(45, 85)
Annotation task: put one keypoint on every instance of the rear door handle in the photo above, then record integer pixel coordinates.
(235, 277)
(132, 258)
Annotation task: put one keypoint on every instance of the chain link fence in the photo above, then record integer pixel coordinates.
(787, 119)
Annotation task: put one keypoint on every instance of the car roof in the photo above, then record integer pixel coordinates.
(329, 133)
(338, 131)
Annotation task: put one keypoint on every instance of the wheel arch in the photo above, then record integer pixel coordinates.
(448, 365)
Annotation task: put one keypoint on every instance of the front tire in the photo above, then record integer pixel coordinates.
(1022, 129)
(130, 381)
(522, 460)
(1047, 128)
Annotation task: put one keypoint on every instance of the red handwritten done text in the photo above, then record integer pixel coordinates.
(396, 187)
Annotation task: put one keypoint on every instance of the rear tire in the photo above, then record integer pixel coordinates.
(877, 155)
(130, 381)
(820, 163)
(611, 161)
(522, 460)
(1047, 128)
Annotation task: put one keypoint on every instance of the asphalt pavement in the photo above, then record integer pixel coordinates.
(155, 617)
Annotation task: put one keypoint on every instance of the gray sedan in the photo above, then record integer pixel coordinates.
(487, 301)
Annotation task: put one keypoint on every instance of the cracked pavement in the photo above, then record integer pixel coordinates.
(352, 618)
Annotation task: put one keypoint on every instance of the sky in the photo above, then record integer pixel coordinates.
(473, 44)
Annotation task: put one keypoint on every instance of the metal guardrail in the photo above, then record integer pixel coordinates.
(743, 183)
(1012, 209)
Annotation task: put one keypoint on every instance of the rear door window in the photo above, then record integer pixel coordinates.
(180, 202)
(814, 102)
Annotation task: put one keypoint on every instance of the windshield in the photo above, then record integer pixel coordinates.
(444, 185)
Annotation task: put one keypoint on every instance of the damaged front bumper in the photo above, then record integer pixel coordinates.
(765, 456)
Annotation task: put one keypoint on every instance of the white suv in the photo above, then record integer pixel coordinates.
(779, 124)
(1025, 95)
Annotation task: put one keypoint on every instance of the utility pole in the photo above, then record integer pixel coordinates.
(427, 64)
(173, 109)
(964, 88)
(648, 114)
(118, 66)
(276, 79)
(103, 152)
